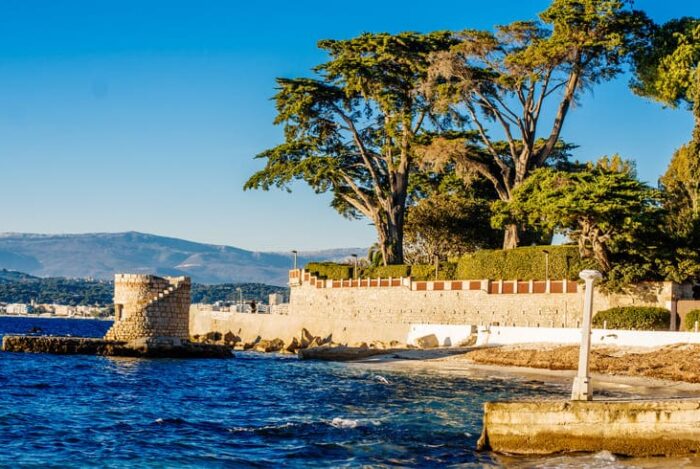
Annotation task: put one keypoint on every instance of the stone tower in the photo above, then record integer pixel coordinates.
(146, 306)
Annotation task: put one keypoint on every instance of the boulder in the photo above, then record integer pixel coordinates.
(293, 346)
(231, 339)
(213, 336)
(306, 338)
(428, 341)
(252, 344)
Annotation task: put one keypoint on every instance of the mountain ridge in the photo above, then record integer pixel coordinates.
(101, 255)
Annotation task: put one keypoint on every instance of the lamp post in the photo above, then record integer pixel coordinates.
(581, 390)
(546, 264)
(354, 264)
(240, 299)
(294, 252)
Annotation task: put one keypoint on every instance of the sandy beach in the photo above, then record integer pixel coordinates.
(652, 372)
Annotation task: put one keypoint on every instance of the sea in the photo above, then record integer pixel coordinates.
(255, 410)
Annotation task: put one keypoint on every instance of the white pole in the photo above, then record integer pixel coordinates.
(581, 390)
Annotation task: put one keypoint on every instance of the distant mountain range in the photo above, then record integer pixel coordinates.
(101, 255)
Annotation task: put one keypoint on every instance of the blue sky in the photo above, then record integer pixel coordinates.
(145, 115)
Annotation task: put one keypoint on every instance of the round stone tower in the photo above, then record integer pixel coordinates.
(146, 306)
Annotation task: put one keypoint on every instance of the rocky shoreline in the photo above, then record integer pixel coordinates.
(306, 346)
(145, 348)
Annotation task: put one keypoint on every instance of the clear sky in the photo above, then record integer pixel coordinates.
(145, 115)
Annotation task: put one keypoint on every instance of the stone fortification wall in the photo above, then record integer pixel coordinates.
(147, 306)
(475, 302)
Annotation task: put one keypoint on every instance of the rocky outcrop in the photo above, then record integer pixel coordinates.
(341, 353)
(151, 347)
(306, 345)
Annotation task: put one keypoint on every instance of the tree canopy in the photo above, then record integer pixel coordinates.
(511, 76)
(352, 129)
(595, 207)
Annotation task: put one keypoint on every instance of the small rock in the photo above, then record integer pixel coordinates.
(428, 341)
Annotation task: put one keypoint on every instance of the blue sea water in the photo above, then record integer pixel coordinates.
(251, 411)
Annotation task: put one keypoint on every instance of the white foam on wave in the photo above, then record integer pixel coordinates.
(381, 379)
(263, 428)
(339, 422)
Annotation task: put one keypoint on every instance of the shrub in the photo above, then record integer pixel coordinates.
(642, 318)
(525, 263)
(330, 270)
(423, 272)
(386, 271)
(447, 271)
(690, 318)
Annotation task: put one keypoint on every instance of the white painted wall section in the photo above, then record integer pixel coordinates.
(448, 335)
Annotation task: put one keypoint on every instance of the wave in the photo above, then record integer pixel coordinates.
(339, 422)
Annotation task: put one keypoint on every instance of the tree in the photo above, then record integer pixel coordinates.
(597, 207)
(447, 225)
(681, 188)
(509, 78)
(352, 130)
(667, 68)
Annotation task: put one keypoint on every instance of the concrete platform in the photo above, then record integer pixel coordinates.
(626, 427)
(147, 348)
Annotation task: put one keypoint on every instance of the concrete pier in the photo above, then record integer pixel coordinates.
(631, 428)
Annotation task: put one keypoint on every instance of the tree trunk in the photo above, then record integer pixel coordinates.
(511, 238)
(391, 242)
(601, 255)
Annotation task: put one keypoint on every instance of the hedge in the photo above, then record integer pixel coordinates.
(525, 263)
(690, 318)
(330, 270)
(386, 271)
(641, 318)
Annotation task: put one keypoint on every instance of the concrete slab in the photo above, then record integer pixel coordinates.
(627, 427)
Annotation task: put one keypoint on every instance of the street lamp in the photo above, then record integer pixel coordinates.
(546, 264)
(354, 268)
(295, 258)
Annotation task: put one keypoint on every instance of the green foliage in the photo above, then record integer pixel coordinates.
(448, 224)
(330, 270)
(666, 69)
(691, 318)
(596, 206)
(352, 129)
(386, 271)
(447, 271)
(525, 263)
(423, 272)
(641, 318)
(512, 77)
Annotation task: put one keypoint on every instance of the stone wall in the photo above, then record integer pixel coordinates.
(474, 302)
(147, 306)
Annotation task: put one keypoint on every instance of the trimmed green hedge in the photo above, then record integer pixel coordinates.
(641, 318)
(525, 263)
(330, 270)
(386, 271)
(690, 318)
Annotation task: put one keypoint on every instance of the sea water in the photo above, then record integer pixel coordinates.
(255, 410)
